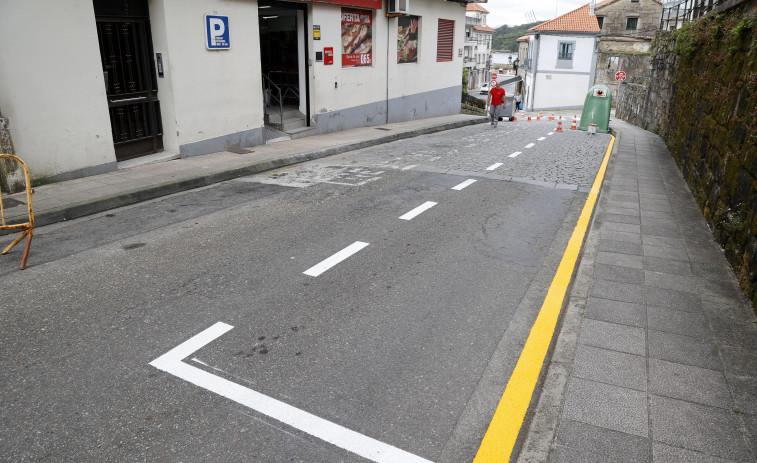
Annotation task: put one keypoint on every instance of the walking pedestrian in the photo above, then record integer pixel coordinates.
(496, 102)
(517, 100)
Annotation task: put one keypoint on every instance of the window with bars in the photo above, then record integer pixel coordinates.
(632, 24)
(565, 50)
(444, 40)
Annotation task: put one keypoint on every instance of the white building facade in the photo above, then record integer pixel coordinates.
(91, 83)
(478, 46)
(561, 61)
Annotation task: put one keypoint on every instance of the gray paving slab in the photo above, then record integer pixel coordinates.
(622, 313)
(578, 441)
(662, 265)
(662, 453)
(620, 259)
(613, 336)
(611, 367)
(678, 322)
(710, 430)
(686, 382)
(607, 406)
(617, 291)
(688, 350)
(682, 283)
(618, 273)
(744, 392)
(678, 300)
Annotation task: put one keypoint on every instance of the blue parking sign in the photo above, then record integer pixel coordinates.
(217, 32)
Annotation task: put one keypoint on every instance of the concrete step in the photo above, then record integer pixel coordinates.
(301, 132)
(294, 123)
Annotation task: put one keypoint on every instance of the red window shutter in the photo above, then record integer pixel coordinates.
(444, 40)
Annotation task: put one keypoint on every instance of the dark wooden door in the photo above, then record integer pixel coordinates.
(123, 30)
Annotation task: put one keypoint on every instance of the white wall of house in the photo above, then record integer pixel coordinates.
(51, 86)
(560, 84)
(208, 97)
(359, 95)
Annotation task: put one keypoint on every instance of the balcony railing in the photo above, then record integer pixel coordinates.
(677, 13)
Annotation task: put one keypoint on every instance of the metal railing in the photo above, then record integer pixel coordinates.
(276, 95)
(677, 13)
(26, 228)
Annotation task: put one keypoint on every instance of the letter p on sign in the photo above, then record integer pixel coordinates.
(217, 32)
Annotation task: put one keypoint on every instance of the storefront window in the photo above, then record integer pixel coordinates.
(357, 38)
(407, 39)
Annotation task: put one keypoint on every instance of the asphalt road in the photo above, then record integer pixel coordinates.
(405, 345)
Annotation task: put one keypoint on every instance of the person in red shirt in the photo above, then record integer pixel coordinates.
(496, 102)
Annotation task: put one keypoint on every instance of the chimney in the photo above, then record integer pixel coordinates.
(591, 8)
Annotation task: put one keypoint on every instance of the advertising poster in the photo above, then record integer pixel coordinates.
(407, 39)
(357, 38)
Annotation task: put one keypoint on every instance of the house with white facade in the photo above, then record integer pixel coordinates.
(561, 61)
(478, 45)
(88, 84)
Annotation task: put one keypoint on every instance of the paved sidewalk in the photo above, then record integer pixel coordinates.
(656, 360)
(70, 199)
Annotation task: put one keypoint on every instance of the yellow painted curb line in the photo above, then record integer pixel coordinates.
(499, 440)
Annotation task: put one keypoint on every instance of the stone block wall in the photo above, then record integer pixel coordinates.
(702, 100)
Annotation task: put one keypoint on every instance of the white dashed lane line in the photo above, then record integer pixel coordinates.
(530, 145)
(541, 139)
(464, 184)
(321, 267)
(494, 166)
(418, 210)
(515, 154)
(409, 167)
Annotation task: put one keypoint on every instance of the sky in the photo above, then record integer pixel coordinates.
(514, 13)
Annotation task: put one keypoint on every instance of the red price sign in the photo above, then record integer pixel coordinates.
(620, 76)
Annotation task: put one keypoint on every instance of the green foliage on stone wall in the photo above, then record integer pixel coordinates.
(712, 130)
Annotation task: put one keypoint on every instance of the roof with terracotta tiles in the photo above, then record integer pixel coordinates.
(483, 29)
(475, 7)
(578, 20)
(522, 37)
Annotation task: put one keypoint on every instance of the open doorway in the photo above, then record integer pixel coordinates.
(282, 59)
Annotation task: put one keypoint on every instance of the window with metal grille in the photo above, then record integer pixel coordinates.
(566, 50)
(631, 24)
(444, 40)
(600, 21)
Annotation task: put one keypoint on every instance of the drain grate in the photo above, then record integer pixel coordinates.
(239, 151)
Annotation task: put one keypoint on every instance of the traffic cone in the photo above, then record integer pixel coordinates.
(573, 127)
(529, 118)
(540, 116)
(551, 115)
(559, 126)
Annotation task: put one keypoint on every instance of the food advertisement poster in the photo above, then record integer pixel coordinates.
(407, 39)
(357, 38)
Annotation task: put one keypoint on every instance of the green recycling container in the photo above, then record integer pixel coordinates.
(597, 109)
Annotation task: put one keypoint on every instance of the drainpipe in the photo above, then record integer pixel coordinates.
(388, 55)
(534, 66)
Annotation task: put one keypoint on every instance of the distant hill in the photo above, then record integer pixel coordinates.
(505, 37)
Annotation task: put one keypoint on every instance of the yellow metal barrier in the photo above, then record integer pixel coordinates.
(27, 228)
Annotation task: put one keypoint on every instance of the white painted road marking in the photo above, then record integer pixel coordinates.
(464, 184)
(541, 139)
(409, 167)
(418, 210)
(364, 446)
(494, 166)
(551, 133)
(530, 145)
(317, 269)
(515, 154)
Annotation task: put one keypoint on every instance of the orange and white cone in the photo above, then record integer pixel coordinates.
(529, 118)
(540, 115)
(559, 126)
(551, 115)
(573, 127)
